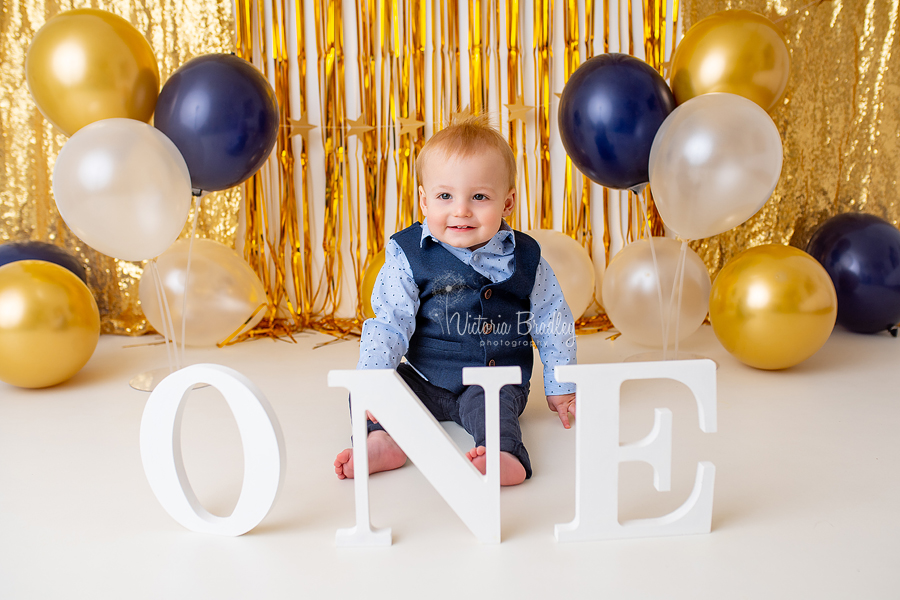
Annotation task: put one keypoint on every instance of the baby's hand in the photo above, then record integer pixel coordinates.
(562, 405)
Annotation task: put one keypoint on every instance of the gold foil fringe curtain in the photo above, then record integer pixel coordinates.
(418, 64)
(361, 84)
(313, 225)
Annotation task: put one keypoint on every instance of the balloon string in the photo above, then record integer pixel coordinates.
(187, 273)
(680, 291)
(167, 313)
(662, 317)
(678, 274)
(159, 301)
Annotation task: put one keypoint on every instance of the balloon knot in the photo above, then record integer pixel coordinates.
(893, 330)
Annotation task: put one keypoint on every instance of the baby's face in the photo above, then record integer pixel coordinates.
(465, 197)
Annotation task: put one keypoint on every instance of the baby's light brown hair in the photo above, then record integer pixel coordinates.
(468, 136)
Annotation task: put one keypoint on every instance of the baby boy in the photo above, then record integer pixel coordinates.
(463, 289)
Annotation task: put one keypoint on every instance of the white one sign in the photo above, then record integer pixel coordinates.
(473, 496)
(261, 437)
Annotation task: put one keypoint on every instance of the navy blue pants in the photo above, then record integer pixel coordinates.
(467, 410)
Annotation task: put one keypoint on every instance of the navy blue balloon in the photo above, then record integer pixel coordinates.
(16, 251)
(222, 115)
(862, 255)
(609, 113)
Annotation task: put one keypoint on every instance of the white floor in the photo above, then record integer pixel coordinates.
(807, 497)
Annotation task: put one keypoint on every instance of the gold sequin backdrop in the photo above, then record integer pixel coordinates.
(361, 84)
(840, 119)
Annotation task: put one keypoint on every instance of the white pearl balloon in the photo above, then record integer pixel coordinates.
(223, 292)
(631, 292)
(123, 188)
(714, 163)
(572, 266)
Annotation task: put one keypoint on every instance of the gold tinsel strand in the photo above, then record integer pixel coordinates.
(406, 199)
(496, 69)
(419, 22)
(383, 118)
(543, 57)
(583, 224)
(571, 60)
(329, 44)
(437, 65)
(654, 49)
(607, 223)
(253, 239)
(478, 68)
(366, 20)
(514, 89)
(287, 246)
(301, 256)
(454, 33)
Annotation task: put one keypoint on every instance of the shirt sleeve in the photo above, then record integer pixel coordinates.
(395, 301)
(553, 328)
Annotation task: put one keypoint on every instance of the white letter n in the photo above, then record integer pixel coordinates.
(473, 496)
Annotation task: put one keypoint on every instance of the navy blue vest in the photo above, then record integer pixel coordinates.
(464, 320)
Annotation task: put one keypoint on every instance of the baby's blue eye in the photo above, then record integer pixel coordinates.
(444, 196)
(479, 197)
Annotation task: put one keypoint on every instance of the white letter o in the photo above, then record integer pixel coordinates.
(261, 437)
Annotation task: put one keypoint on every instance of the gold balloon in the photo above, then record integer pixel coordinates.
(49, 324)
(773, 306)
(368, 282)
(734, 51)
(85, 65)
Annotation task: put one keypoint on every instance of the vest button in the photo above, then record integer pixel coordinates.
(487, 294)
(488, 327)
(491, 363)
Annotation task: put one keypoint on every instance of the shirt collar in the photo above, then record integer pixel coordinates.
(497, 243)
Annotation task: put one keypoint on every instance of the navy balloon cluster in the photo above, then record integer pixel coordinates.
(222, 115)
(609, 113)
(861, 253)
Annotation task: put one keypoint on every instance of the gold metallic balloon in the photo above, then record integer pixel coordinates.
(85, 65)
(773, 306)
(49, 324)
(734, 51)
(368, 282)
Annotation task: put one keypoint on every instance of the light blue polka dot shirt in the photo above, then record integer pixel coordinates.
(395, 300)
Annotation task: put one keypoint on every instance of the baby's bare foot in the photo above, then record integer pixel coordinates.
(511, 470)
(384, 455)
